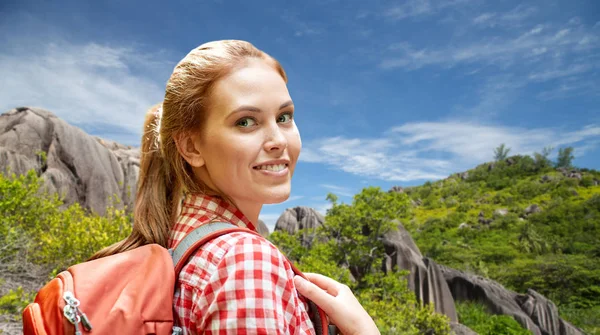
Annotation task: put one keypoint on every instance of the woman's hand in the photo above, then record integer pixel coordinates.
(338, 302)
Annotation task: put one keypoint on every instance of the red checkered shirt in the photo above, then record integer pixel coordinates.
(238, 283)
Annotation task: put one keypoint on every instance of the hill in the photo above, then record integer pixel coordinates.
(515, 237)
(519, 221)
(522, 223)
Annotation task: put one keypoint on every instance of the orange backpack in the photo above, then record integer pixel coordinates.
(126, 293)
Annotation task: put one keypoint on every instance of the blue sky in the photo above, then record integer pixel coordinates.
(386, 92)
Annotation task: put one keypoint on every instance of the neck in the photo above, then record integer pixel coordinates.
(251, 210)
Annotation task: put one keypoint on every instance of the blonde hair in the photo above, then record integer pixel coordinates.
(164, 173)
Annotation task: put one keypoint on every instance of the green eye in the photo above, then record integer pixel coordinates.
(285, 118)
(246, 122)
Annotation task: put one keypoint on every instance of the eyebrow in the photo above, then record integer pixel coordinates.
(249, 108)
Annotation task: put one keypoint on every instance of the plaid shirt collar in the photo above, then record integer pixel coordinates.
(199, 209)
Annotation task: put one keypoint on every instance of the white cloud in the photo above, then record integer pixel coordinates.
(338, 190)
(420, 8)
(553, 73)
(369, 157)
(495, 50)
(570, 89)
(322, 207)
(484, 18)
(293, 198)
(410, 8)
(496, 93)
(85, 84)
(433, 150)
(563, 57)
(511, 19)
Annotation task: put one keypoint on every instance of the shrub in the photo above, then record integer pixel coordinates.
(35, 228)
(386, 293)
(476, 317)
(15, 301)
(587, 319)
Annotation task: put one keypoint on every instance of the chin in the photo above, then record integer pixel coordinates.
(276, 196)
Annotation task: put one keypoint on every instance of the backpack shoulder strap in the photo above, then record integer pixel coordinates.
(199, 236)
(318, 316)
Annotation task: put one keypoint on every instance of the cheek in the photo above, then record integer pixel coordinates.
(224, 153)
(240, 152)
(294, 144)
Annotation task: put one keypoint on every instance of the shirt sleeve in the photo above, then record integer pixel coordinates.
(251, 292)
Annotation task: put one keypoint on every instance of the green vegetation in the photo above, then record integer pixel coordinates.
(527, 225)
(523, 221)
(347, 249)
(565, 157)
(475, 316)
(527, 222)
(38, 233)
(501, 152)
(15, 301)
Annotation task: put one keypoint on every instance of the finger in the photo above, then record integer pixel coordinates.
(331, 286)
(315, 293)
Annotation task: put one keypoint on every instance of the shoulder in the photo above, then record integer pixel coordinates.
(241, 244)
(248, 252)
(246, 286)
(234, 252)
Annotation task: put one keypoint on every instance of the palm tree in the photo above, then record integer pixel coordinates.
(501, 152)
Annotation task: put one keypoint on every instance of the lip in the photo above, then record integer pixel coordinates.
(281, 173)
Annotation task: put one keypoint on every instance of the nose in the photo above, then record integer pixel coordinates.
(275, 139)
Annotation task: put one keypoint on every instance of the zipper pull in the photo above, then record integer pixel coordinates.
(72, 312)
(85, 321)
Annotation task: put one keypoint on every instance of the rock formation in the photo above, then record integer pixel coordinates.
(88, 170)
(460, 329)
(532, 310)
(294, 219)
(501, 212)
(262, 228)
(531, 209)
(425, 277)
(443, 286)
(79, 167)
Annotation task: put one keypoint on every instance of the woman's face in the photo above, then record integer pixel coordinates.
(249, 143)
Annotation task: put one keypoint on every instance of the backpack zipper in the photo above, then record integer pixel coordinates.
(72, 312)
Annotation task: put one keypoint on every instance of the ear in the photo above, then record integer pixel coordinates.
(188, 146)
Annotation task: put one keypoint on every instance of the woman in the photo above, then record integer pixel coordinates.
(224, 141)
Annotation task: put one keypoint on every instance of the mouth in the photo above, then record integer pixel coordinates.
(271, 167)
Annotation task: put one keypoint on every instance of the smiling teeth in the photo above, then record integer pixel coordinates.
(274, 168)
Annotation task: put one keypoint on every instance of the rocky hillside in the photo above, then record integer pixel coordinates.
(523, 222)
(442, 286)
(484, 235)
(80, 167)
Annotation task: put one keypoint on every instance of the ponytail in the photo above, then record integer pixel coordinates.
(157, 198)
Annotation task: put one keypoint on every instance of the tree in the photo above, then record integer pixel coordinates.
(349, 249)
(357, 228)
(565, 157)
(541, 159)
(501, 152)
